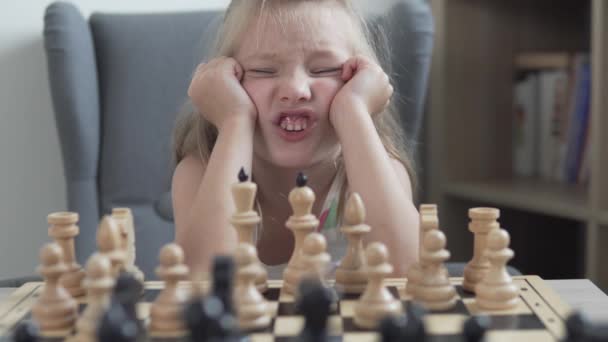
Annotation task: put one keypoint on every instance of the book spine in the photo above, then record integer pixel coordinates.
(525, 119)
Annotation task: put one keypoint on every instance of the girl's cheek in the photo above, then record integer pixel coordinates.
(329, 86)
(260, 91)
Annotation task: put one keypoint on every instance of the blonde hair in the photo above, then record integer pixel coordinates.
(193, 135)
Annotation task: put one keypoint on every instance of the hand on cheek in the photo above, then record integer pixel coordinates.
(367, 87)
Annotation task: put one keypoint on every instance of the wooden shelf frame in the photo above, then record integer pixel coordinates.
(468, 156)
(546, 198)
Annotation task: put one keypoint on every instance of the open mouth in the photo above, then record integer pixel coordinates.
(294, 127)
(294, 123)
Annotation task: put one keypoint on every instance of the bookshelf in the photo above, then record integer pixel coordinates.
(558, 230)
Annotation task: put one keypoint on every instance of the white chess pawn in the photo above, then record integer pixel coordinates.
(55, 309)
(166, 313)
(315, 259)
(435, 292)
(496, 291)
(350, 274)
(376, 302)
(251, 308)
(98, 283)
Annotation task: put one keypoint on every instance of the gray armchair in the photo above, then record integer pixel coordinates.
(117, 81)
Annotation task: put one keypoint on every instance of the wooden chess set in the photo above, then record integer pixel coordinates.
(108, 299)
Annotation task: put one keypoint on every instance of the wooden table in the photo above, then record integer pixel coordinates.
(582, 294)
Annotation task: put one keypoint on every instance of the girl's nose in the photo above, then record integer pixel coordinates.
(294, 89)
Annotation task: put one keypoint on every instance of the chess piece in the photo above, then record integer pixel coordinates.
(428, 221)
(223, 278)
(127, 292)
(108, 243)
(27, 331)
(208, 322)
(475, 327)
(314, 303)
(577, 326)
(120, 321)
(98, 283)
(116, 326)
(414, 329)
(350, 274)
(315, 259)
(252, 309)
(63, 230)
(496, 291)
(301, 223)
(376, 302)
(483, 220)
(435, 292)
(124, 218)
(166, 311)
(55, 309)
(245, 219)
(428, 209)
(217, 311)
(392, 328)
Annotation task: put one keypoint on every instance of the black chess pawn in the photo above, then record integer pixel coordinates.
(116, 325)
(211, 319)
(223, 280)
(314, 303)
(392, 328)
(207, 321)
(475, 327)
(127, 292)
(414, 329)
(577, 326)
(26, 331)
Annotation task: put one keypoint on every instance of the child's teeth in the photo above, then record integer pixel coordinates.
(294, 124)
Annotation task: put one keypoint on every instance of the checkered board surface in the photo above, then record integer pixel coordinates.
(539, 316)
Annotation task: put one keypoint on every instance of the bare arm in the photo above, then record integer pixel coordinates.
(384, 186)
(202, 199)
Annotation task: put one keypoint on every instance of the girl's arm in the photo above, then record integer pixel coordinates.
(382, 182)
(385, 188)
(202, 201)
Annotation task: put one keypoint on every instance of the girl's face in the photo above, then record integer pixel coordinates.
(292, 73)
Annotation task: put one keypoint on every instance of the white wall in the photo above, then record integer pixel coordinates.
(31, 174)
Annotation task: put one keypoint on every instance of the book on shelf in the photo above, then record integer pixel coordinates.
(551, 109)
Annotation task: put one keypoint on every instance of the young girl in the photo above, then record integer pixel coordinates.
(295, 86)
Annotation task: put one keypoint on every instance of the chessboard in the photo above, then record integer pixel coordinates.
(540, 315)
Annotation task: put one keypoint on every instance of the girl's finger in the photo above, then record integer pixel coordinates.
(348, 69)
(238, 71)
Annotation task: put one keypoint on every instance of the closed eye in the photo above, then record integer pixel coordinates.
(262, 71)
(326, 71)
